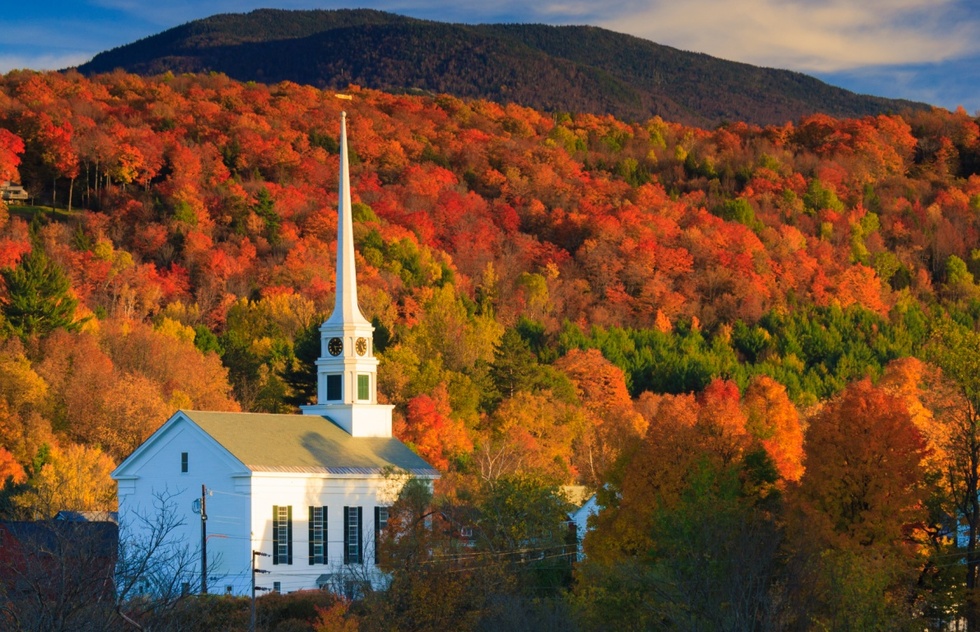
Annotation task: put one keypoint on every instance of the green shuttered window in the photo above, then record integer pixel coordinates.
(353, 542)
(282, 534)
(318, 535)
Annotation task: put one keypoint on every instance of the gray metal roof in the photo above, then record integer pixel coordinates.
(304, 443)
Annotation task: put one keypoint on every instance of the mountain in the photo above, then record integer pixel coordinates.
(551, 68)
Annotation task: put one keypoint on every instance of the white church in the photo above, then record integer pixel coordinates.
(308, 492)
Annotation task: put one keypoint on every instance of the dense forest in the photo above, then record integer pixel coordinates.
(572, 68)
(757, 344)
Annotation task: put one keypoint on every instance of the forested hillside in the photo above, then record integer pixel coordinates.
(759, 343)
(550, 68)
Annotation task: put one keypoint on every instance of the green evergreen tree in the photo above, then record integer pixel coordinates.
(38, 298)
(516, 368)
(301, 373)
(513, 364)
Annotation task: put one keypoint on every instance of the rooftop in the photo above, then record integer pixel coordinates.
(305, 443)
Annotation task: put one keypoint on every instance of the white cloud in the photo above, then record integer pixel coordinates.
(57, 44)
(41, 62)
(808, 35)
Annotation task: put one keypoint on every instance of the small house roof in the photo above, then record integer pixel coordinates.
(88, 516)
(52, 536)
(304, 443)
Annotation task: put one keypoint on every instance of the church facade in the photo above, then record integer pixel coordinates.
(303, 497)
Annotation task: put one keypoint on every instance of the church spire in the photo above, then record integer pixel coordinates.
(345, 308)
(347, 380)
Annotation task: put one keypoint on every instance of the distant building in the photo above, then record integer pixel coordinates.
(88, 516)
(308, 491)
(579, 521)
(10, 192)
(51, 566)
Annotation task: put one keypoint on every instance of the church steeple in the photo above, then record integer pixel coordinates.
(345, 308)
(347, 369)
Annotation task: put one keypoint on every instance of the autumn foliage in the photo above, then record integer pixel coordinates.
(690, 322)
(863, 479)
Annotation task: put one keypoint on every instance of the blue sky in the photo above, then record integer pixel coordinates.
(925, 50)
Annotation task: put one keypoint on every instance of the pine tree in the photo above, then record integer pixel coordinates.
(38, 298)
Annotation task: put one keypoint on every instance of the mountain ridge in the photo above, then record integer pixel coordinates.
(563, 68)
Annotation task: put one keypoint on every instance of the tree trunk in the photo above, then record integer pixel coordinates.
(71, 187)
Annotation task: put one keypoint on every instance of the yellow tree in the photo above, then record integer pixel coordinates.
(532, 434)
(23, 394)
(616, 426)
(75, 479)
(446, 330)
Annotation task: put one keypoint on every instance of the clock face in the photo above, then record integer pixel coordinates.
(335, 346)
(360, 346)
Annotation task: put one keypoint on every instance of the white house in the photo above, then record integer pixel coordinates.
(309, 491)
(12, 192)
(580, 520)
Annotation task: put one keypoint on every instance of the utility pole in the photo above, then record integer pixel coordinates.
(204, 541)
(255, 554)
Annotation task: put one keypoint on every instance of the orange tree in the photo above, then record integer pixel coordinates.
(854, 558)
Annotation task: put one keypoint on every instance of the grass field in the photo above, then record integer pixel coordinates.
(30, 212)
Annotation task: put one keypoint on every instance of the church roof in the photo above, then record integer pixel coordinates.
(304, 443)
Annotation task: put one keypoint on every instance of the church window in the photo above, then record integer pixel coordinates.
(282, 534)
(353, 545)
(318, 535)
(363, 386)
(335, 387)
